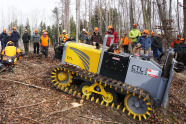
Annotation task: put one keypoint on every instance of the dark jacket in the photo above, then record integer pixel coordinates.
(116, 38)
(96, 38)
(15, 36)
(83, 36)
(145, 42)
(4, 37)
(157, 42)
(26, 38)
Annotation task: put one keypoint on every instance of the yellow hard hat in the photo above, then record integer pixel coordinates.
(64, 31)
(10, 43)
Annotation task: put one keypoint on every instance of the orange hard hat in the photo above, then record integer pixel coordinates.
(36, 30)
(4, 29)
(152, 32)
(146, 31)
(9, 32)
(110, 27)
(14, 28)
(182, 39)
(96, 29)
(140, 32)
(178, 35)
(135, 25)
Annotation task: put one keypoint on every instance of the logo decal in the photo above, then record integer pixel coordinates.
(152, 73)
(84, 57)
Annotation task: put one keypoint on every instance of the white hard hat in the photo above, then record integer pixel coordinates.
(84, 29)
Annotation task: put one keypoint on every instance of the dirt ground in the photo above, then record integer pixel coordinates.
(39, 102)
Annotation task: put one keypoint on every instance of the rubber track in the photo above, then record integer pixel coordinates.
(117, 85)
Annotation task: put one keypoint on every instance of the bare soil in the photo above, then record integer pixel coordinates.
(39, 102)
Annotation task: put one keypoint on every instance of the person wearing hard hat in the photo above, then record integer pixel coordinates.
(26, 40)
(181, 51)
(134, 34)
(125, 42)
(15, 37)
(3, 39)
(96, 38)
(44, 42)
(158, 46)
(9, 34)
(145, 42)
(83, 36)
(10, 50)
(63, 37)
(35, 39)
(111, 31)
(176, 43)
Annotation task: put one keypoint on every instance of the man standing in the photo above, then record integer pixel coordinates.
(3, 39)
(134, 34)
(83, 36)
(35, 39)
(63, 37)
(111, 31)
(9, 35)
(44, 42)
(158, 46)
(15, 37)
(145, 42)
(96, 37)
(125, 42)
(26, 40)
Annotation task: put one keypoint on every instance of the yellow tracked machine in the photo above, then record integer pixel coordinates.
(128, 83)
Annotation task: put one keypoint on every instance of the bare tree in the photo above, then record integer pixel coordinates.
(77, 17)
(184, 11)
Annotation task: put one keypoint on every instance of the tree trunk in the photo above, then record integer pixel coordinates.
(131, 12)
(90, 16)
(66, 26)
(184, 11)
(178, 17)
(144, 13)
(77, 19)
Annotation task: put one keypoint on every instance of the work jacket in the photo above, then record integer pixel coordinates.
(63, 38)
(26, 38)
(44, 41)
(116, 38)
(96, 38)
(4, 37)
(134, 33)
(10, 51)
(15, 36)
(126, 41)
(35, 38)
(175, 43)
(157, 42)
(145, 42)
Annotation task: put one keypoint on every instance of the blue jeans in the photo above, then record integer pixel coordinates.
(3, 45)
(157, 53)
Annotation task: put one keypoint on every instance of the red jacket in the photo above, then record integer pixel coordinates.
(116, 38)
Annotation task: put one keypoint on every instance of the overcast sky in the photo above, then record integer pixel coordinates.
(34, 10)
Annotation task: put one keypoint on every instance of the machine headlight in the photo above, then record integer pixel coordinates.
(10, 60)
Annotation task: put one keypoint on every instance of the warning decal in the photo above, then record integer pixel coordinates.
(152, 73)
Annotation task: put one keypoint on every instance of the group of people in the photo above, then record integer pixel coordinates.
(12, 39)
(140, 41)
